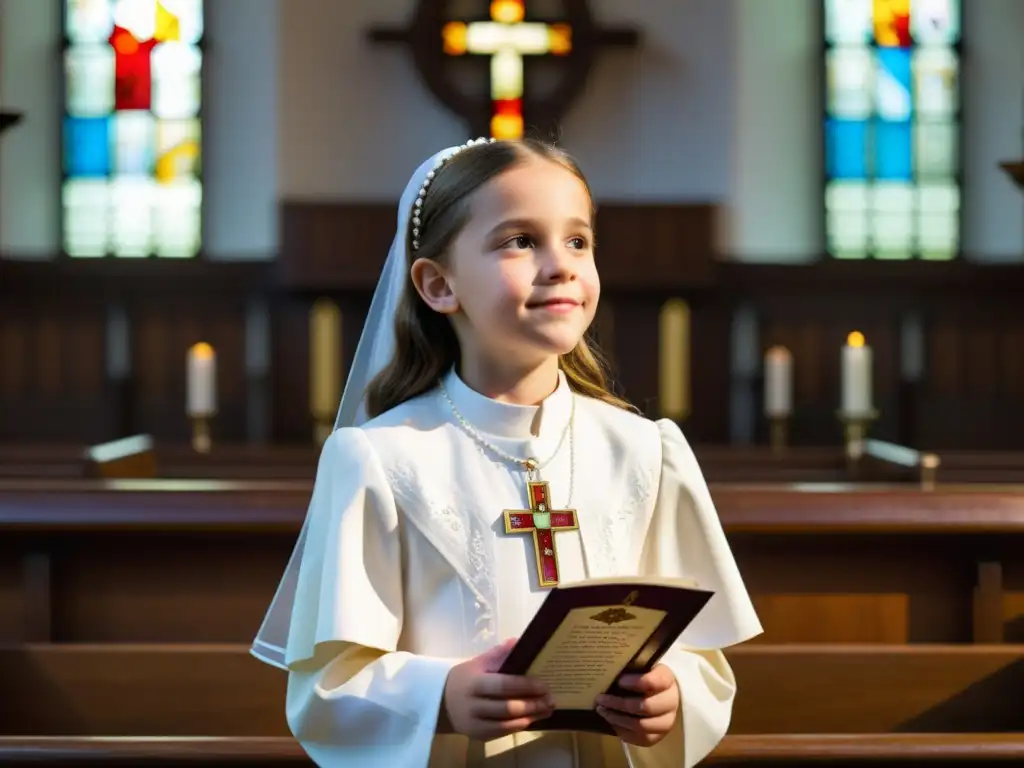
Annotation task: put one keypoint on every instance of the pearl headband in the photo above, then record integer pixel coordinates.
(417, 207)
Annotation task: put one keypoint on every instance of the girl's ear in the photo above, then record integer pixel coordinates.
(433, 286)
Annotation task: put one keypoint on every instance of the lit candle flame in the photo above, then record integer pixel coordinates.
(202, 351)
(855, 339)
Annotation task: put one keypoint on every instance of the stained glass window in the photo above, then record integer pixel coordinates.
(892, 128)
(132, 128)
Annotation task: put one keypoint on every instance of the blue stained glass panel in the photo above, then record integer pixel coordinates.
(846, 149)
(893, 84)
(87, 146)
(894, 155)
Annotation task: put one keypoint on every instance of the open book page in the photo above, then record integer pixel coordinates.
(589, 633)
(586, 654)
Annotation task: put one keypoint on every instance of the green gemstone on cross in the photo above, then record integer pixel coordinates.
(541, 520)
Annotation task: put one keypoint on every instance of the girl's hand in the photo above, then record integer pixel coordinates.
(647, 718)
(483, 705)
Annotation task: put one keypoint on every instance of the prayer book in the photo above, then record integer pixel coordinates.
(588, 634)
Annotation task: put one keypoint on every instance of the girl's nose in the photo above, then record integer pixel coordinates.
(558, 265)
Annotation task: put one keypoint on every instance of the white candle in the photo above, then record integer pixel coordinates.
(856, 376)
(201, 372)
(778, 382)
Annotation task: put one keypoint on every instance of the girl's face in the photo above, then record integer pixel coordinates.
(522, 272)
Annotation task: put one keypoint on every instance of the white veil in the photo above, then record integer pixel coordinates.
(373, 352)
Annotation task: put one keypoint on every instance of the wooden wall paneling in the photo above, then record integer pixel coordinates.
(711, 367)
(970, 397)
(12, 591)
(815, 330)
(293, 422)
(53, 327)
(646, 253)
(327, 246)
(968, 311)
(163, 333)
(1013, 602)
(636, 350)
(334, 245)
(655, 247)
(973, 368)
(52, 378)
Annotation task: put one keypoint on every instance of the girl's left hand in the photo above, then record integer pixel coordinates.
(647, 718)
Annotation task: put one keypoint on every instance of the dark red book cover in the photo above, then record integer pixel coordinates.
(601, 630)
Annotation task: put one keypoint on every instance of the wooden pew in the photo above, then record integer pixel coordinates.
(218, 703)
(876, 750)
(82, 561)
(720, 464)
(220, 690)
(905, 607)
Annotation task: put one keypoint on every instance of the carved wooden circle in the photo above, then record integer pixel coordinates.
(541, 113)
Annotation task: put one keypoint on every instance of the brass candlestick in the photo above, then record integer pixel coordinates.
(202, 441)
(929, 469)
(855, 429)
(322, 428)
(778, 431)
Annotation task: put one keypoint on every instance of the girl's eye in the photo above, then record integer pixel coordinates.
(520, 242)
(579, 243)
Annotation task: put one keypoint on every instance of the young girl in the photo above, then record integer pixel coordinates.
(473, 377)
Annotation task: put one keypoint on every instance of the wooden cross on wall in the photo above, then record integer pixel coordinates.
(1015, 171)
(7, 119)
(506, 39)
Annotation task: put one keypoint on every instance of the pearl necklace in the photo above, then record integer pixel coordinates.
(530, 464)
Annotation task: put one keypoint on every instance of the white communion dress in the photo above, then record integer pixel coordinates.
(407, 570)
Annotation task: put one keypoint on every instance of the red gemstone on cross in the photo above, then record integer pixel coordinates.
(540, 495)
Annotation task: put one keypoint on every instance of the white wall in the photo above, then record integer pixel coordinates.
(775, 168)
(994, 125)
(29, 153)
(652, 125)
(721, 104)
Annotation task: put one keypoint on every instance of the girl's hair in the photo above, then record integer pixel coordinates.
(425, 343)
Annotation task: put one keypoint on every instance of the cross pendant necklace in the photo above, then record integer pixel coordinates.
(540, 519)
(543, 522)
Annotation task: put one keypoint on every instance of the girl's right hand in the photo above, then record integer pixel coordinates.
(484, 705)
